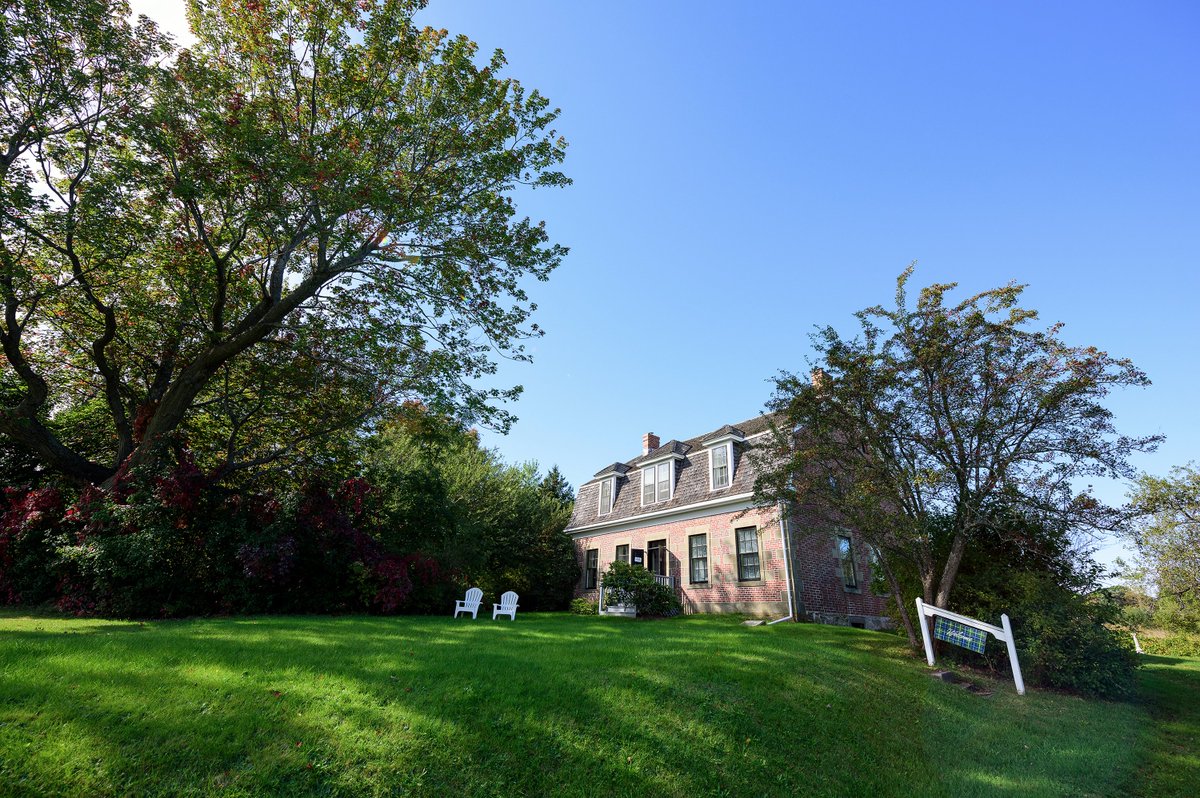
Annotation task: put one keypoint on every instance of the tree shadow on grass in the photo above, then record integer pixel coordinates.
(1170, 765)
(1156, 659)
(543, 706)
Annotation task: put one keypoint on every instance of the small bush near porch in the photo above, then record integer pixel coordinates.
(549, 705)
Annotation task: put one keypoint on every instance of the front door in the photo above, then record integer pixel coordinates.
(656, 556)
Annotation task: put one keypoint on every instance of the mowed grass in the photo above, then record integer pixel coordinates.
(1171, 688)
(549, 705)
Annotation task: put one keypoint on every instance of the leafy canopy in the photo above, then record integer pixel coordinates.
(499, 525)
(260, 240)
(1167, 537)
(948, 410)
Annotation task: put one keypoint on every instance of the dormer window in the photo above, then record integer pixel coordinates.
(657, 482)
(720, 457)
(720, 460)
(606, 495)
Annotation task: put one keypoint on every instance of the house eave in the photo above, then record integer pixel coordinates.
(658, 515)
(661, 458)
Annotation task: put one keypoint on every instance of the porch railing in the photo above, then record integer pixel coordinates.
(665, 580)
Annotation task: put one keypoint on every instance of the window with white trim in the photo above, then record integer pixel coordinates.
(749, 566)
(720, 472)
(656, 482)
(606, 495)
(698, 559)
(623, 553)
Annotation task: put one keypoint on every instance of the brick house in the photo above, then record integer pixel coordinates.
(685, 511)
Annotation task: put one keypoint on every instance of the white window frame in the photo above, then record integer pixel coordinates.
(728, 447)
(707, 560)
(612, 496)
(758, 553)
(652, 468)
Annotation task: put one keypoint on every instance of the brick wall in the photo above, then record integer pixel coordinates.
(723, 592)
(818, 578)
(821, 587)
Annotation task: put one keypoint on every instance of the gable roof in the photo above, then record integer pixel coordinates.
(691, 477)
(723, 431)
(619, 468)
(668, 449)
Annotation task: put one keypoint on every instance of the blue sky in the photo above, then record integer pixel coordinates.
(746, 171)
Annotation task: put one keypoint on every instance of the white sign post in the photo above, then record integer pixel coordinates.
(1002, 633)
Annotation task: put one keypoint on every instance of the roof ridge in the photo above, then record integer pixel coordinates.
(756, 425)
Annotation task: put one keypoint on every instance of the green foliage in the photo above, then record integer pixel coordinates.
(204, 255)
(1137, 607)
(556, 485)
(582, 606)
(1170, 644)
(632, 584)
(1068, 632)
(496, 524)
(1070, 642)
(84, 427)
(941, 409)
(171, 544)
(1167, 537)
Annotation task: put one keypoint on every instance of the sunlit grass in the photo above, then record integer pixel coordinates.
(548, 705)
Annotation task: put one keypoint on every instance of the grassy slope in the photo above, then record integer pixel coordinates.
(1171, 688)
(551, 704)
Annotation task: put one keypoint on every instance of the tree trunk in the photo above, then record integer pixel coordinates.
(927, 586)
(957, 548)
(182, 392)
(901, 604)
(30, 432)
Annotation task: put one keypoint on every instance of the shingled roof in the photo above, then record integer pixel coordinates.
(691, 476)
(619, 468)
(667, 449)
(728, 429)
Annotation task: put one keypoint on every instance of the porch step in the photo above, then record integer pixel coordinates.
(621, 610)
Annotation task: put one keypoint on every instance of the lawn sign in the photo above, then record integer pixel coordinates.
(967, 633)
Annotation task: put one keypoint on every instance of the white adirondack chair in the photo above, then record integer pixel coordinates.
(507, 606)
(470, 603)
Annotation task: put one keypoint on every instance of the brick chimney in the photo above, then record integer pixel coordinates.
(820, 380)
(649, 442)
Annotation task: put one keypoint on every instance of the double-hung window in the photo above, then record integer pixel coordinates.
(697, 558)
(656, 483)
(748, 563)
(591, 568)
(606, 496)
(846, 556)
(623, 553)
(721, 462)
(719, 457)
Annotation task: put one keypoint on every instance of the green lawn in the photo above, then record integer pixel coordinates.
(549, 705)
(1171, 688)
